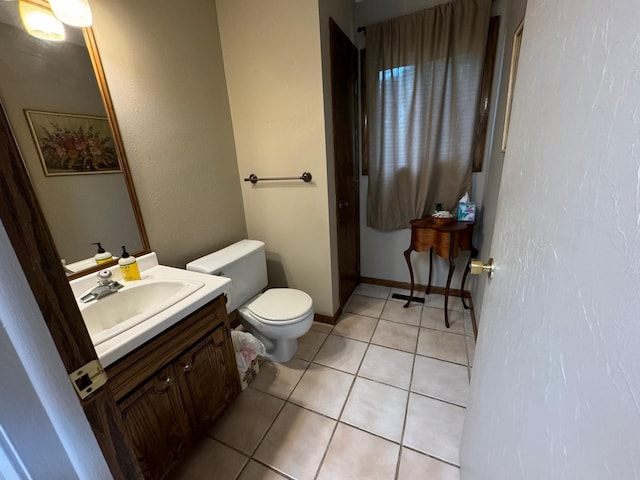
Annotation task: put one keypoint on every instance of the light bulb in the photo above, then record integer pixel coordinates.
(76, 13)
(40, 22)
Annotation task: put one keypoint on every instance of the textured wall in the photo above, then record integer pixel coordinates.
(554, 389)
(164, 68)
(487, 184)
(272, 62)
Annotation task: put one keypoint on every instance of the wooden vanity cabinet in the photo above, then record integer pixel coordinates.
(170, 389)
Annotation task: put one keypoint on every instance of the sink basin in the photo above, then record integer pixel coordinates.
(121, 311)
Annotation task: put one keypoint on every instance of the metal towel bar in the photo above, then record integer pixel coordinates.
(253, 178)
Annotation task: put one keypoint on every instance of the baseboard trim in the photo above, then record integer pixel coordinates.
(327, 319)
(417, 287)
(423, 288)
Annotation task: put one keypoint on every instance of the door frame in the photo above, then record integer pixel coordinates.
(31, 240)
(336, 35)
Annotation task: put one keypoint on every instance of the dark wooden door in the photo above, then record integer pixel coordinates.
(154, 416)
(344, 78)
(208, 376)
(30, 237)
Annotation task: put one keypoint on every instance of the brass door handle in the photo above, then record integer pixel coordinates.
(476, 267)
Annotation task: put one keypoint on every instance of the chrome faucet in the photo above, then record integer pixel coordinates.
(105, 287)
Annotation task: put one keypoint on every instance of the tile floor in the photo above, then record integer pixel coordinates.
(381, 395)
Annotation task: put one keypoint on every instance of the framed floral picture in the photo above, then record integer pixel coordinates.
(73, 144)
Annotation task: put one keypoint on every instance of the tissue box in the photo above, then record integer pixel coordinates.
(467, 211)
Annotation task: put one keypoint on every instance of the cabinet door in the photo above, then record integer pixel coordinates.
(208, 377)
(154, 417)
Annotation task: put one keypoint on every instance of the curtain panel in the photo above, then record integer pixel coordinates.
(423, 76)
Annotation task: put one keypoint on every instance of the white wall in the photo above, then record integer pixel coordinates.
(272, 62)
(382, 252)
(554, 389)
(41, 420)
(164, 68)
(511, 13)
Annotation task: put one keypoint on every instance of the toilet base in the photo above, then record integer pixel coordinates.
(278, 350)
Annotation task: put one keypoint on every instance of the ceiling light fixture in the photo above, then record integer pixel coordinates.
(76, 13)
(40, 22)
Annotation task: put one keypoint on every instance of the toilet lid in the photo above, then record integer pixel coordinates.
(281, 304)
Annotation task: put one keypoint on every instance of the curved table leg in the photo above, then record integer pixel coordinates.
(430, 270)
(472, 254)
(407, 256)
(452, 267)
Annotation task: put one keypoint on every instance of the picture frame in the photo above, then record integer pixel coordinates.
(515, 57)
(73, 144)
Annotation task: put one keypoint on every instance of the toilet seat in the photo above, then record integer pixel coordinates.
(280, 306)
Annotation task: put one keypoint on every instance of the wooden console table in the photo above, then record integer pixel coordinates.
(447, 240)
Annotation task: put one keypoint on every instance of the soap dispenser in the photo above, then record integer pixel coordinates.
(102, 256)
(128, 266)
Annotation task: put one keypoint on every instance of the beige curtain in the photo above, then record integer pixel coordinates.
(423, 84)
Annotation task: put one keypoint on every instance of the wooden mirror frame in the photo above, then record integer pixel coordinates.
(101, 80)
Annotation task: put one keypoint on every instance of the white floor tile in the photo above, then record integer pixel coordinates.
(396, 335)
(376, 408)
(369, 306)
(323, 390)
(387, 365)
(414, 465)
(355, 326)
(296, 442)
(309, 344)
(378, 377)
(434, 427)
(279, 379)
(396, 312)
(434, 318)
(354, 454)
(247, 419)
(442, 380)
(443, 345)
(341, 353)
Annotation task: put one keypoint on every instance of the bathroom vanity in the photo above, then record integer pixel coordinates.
(171, 388)
(165, 343)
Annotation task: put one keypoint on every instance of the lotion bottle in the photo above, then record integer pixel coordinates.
(102, 256)
(128, 266)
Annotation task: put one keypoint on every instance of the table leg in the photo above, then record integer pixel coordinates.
(407, 256)
(452, 267)
(473, 254)
(430, 270)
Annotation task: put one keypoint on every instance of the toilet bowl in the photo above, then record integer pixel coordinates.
(277, 316)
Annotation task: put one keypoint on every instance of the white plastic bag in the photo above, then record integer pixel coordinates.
(247, 348)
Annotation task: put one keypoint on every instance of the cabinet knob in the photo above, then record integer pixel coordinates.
(187, 367)
(168, 380)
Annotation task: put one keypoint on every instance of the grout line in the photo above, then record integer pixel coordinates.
(344, 405)
(355, 376)
(406, 415)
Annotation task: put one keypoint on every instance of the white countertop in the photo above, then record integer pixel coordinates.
(115, 348)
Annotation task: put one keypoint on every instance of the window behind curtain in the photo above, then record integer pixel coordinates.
(425, 70)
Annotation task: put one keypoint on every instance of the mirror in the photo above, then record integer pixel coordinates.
(56, 99)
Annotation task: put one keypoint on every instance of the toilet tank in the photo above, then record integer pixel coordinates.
(244, 263)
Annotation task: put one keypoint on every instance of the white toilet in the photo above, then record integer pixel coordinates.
(279, 316)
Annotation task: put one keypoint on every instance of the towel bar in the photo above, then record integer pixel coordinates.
(253, 178)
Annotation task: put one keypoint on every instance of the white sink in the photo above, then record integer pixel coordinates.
(120, 311)
(122, 321)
